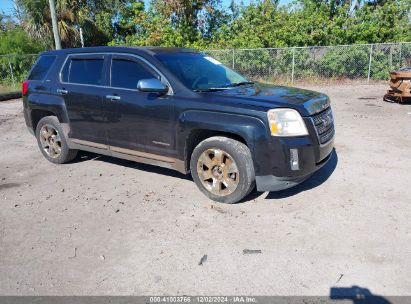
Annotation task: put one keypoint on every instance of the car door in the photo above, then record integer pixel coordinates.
(137, 120)
(82, 78)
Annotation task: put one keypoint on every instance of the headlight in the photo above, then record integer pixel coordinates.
(286, 122)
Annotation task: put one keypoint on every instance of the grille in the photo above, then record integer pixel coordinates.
(324, 125)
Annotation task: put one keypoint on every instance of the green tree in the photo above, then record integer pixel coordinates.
(252, 29)
(94, 17)
(206, 24)
(17, 41)
(169, 23)
(36, 20)
(316, 22)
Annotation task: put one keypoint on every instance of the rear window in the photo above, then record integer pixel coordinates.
(41, 68)
(83, 71)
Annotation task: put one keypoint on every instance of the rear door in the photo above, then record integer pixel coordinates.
(81, 81)
(137, 120)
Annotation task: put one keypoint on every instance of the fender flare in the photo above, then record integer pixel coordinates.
(251, 129)
(49, 103)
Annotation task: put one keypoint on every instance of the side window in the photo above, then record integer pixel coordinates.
(41, 68)
(126, 73)
(83, 71)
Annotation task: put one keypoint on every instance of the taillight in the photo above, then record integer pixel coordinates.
(25, 87)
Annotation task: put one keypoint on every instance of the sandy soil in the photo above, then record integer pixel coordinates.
(103, 226)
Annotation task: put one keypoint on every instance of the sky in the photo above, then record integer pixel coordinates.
(7, 5)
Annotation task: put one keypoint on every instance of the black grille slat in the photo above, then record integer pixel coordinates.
(324, 125)
(322, 129)
(327, 136)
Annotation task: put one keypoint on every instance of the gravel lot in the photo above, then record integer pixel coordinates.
(103, 226)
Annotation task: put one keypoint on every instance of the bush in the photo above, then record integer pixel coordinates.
(344, 62)
(14, 64)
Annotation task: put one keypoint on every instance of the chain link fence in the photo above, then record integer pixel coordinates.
(13, 70)
(365, 63)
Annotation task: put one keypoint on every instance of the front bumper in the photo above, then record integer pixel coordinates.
(277, 183)
(283, 162)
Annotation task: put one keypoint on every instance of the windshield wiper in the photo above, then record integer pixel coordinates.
(210, 89)
(237, 84)
(226, 87)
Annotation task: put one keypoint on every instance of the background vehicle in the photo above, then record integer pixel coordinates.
(179, 109)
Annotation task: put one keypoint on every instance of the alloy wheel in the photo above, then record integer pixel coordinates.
(50, 140)
(218, 172)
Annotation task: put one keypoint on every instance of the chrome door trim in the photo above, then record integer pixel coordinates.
(170, 92)
(133, 155)
(81, 54)
(89, 143)
(143, 154)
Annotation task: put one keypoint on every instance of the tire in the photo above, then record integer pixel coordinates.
(213, 167)
(52, 142)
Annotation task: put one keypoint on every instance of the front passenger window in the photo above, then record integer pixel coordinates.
(126, 73)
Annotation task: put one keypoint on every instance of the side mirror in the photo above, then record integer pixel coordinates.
(152, 85)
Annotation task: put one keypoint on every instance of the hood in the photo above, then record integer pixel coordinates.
(263, 95)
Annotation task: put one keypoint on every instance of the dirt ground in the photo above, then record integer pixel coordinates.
(103, 226)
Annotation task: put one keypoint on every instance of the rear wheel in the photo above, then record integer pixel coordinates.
(52, 142)
(222, 168)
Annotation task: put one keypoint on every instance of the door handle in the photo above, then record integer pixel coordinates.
(62, 92)
(113, 97)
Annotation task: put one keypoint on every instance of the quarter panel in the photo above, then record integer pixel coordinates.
(47, 102)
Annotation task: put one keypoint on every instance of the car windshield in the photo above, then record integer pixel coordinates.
(200, 72)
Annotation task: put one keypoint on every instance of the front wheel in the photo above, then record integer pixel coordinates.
(223, 170)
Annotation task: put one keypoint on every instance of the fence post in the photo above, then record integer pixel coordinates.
(11, 73)
(293, 67)
(81, 37)
(369, 63)
(400, 65)
(233, 65)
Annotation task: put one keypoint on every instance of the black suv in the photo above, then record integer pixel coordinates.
(179, 109)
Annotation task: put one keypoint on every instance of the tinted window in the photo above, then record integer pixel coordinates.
(198, 71)
(41, 68)
(85, 71)
(126, 73)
